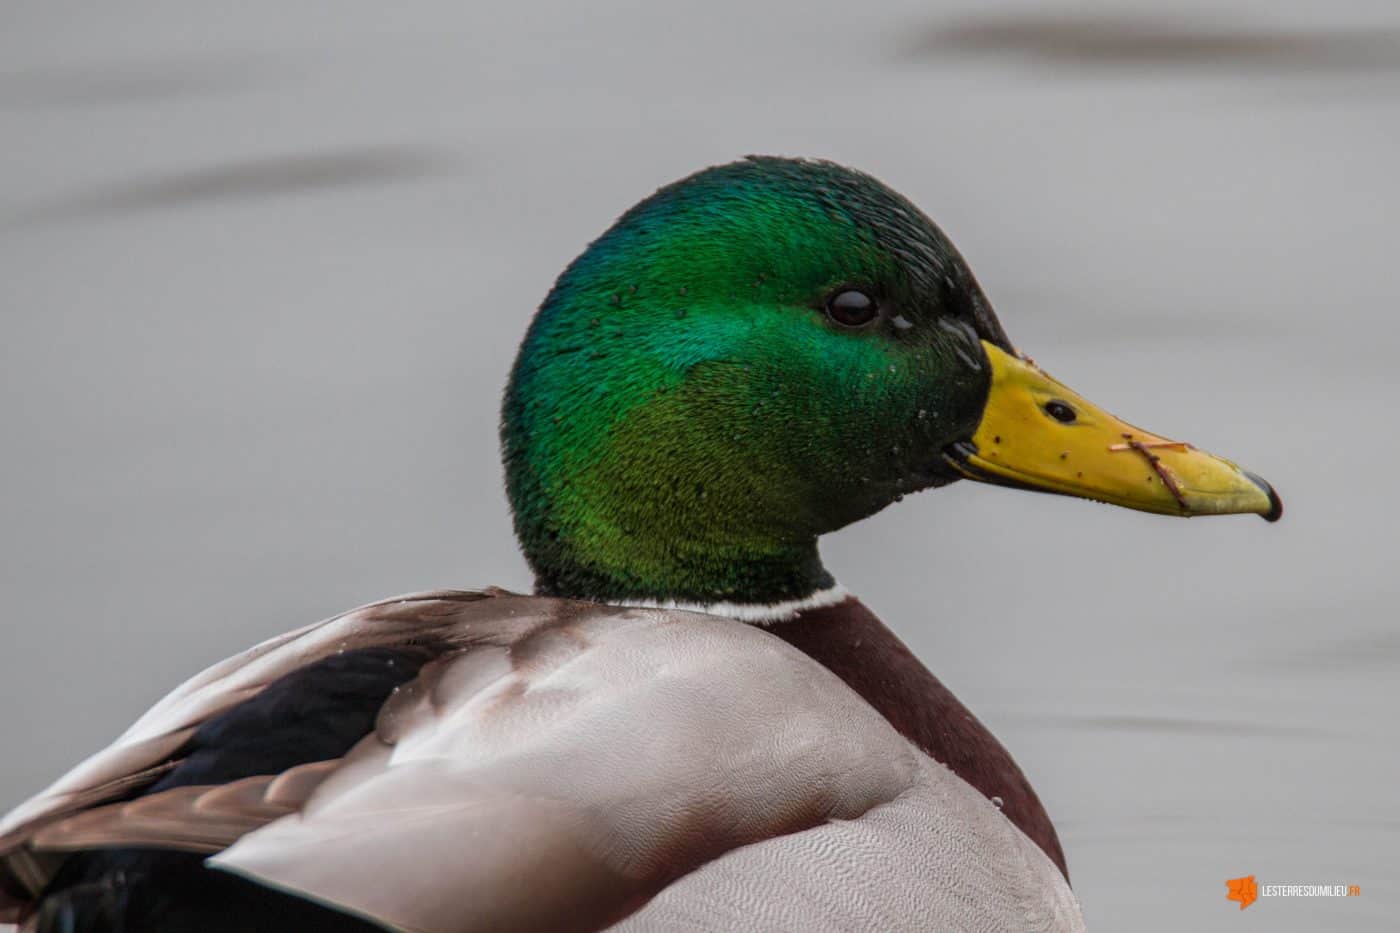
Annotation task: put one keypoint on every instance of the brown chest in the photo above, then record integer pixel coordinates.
(849, 640)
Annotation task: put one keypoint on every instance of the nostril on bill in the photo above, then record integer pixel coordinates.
(1060, 411)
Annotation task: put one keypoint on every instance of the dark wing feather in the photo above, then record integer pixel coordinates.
(175, 779)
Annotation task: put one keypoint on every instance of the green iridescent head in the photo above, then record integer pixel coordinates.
(706, 390)
(754, 356)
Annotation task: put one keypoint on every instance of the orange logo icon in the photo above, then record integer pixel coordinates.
(1243, 890)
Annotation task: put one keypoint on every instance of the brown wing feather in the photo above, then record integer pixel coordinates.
(198, 818)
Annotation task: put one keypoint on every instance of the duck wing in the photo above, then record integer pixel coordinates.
(552, 764)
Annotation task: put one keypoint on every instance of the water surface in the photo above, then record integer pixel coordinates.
(263, 269)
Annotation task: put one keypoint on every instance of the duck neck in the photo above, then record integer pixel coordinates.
(749, 576)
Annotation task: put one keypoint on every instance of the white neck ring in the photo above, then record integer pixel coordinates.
(760, 613)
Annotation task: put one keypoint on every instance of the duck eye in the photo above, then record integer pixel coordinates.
(1060, 411)
(852, 307)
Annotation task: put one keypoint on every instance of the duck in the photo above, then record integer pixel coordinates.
(689, 723)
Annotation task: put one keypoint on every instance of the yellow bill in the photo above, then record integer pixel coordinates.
(1037, 433)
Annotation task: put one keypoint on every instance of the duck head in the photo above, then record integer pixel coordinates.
(767, 351)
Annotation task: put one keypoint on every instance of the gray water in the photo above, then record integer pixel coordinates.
(263, 267)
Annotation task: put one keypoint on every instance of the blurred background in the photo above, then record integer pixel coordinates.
(264, 266)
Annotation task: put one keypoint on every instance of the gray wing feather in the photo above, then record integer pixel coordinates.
(565, 765)
(660, 770)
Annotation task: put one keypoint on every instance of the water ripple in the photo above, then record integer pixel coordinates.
(243, 181)
(1179, 726)
(1088, 40)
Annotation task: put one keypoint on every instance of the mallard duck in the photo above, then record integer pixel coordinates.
(689, 724)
